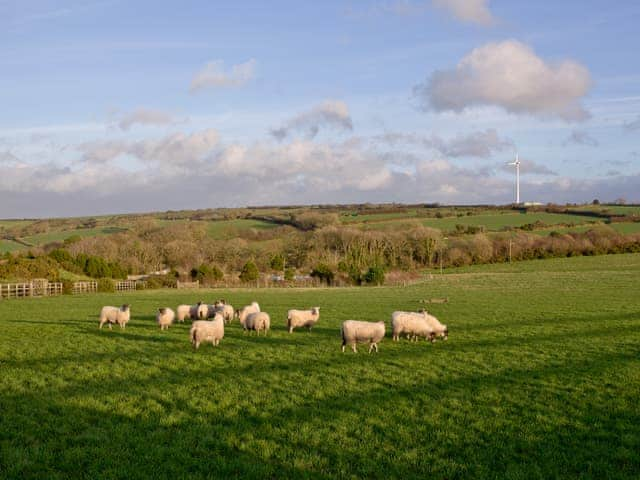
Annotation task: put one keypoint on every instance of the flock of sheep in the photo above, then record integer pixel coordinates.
(413, 325)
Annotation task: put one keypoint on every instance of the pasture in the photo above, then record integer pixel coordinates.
(540, 378)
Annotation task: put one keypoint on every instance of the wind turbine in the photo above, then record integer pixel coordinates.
(517, 164)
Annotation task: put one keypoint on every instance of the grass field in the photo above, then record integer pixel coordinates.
(60, 236)
(492, 222)
(231, 228)
(540, 379)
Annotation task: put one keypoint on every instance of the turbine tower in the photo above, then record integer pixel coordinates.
(517, 164)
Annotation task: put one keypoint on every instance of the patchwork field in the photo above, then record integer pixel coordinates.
(492, 222)
(540, 379)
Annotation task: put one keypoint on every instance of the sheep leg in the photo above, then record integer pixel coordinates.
(290, 329)
(353, 347)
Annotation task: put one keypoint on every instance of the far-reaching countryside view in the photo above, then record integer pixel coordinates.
(356, 239)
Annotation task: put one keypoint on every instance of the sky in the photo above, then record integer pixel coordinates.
(119, 106)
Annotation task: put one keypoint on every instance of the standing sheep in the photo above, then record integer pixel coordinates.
(182, 312)
(258, 321)
(245, 311)
(412, 324)
(302, 318)
(165, 317)
(224, 309)
(355, 331)
(207, 331)
(111, 315)
(202, 311)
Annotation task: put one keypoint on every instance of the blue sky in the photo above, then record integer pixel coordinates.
(114, 106)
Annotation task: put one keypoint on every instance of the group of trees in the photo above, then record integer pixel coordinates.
(329, 252)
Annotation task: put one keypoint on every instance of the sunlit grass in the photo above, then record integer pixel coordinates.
(540, 379)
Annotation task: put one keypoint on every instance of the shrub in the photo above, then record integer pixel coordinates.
(249, 272)
(277, 262)
(324, 273)
(289, 274)
(206, 273)
(374, 276)
(106, 285)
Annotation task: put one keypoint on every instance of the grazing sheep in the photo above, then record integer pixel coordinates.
(439, 329)
(245, 311)
(165, 317)
(207, 331)
(412, 324)
(110, 315)
(302, 318)
(184, 311)
(355, 331)
(258, 321)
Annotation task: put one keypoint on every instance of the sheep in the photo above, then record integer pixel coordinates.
(224, 309)
(412, 324)
(165, 317)
(302, 318)
(184, 311)
(438, 328)
(207, 331)
(110, 315)
(258, 321)
(355, 331)
(244, 311)
(202, 311)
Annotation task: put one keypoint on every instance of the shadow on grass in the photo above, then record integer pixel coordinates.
(361, 432)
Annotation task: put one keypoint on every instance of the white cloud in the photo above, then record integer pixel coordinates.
(472, 11)
(475, 144)
(145, 116)
(330, 113)
(213, 75)
(175, 150)
(197, 170)
(510, 75)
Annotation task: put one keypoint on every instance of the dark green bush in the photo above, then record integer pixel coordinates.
(249, 272)
(374, 276)
(324, 273)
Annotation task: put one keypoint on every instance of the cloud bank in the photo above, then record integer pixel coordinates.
(509, 75)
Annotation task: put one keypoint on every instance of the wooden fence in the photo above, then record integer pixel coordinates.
(195, 284)
(84, 287)
(31, 289)
(125, 285)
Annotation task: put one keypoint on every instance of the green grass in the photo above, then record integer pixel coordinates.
(60, 236)
(10, 246)
(614, 209)
(492, 222)
(230, 228)
(540, 379)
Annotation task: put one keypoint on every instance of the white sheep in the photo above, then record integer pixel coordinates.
(245, 311)
(207, 331)
(224, 309)
(165, 317)
(111, 315)
(302, 318)
(186, 311)
(411, 324)
(355, 331)
(202, 311)
(258, 321)
(439, 329)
